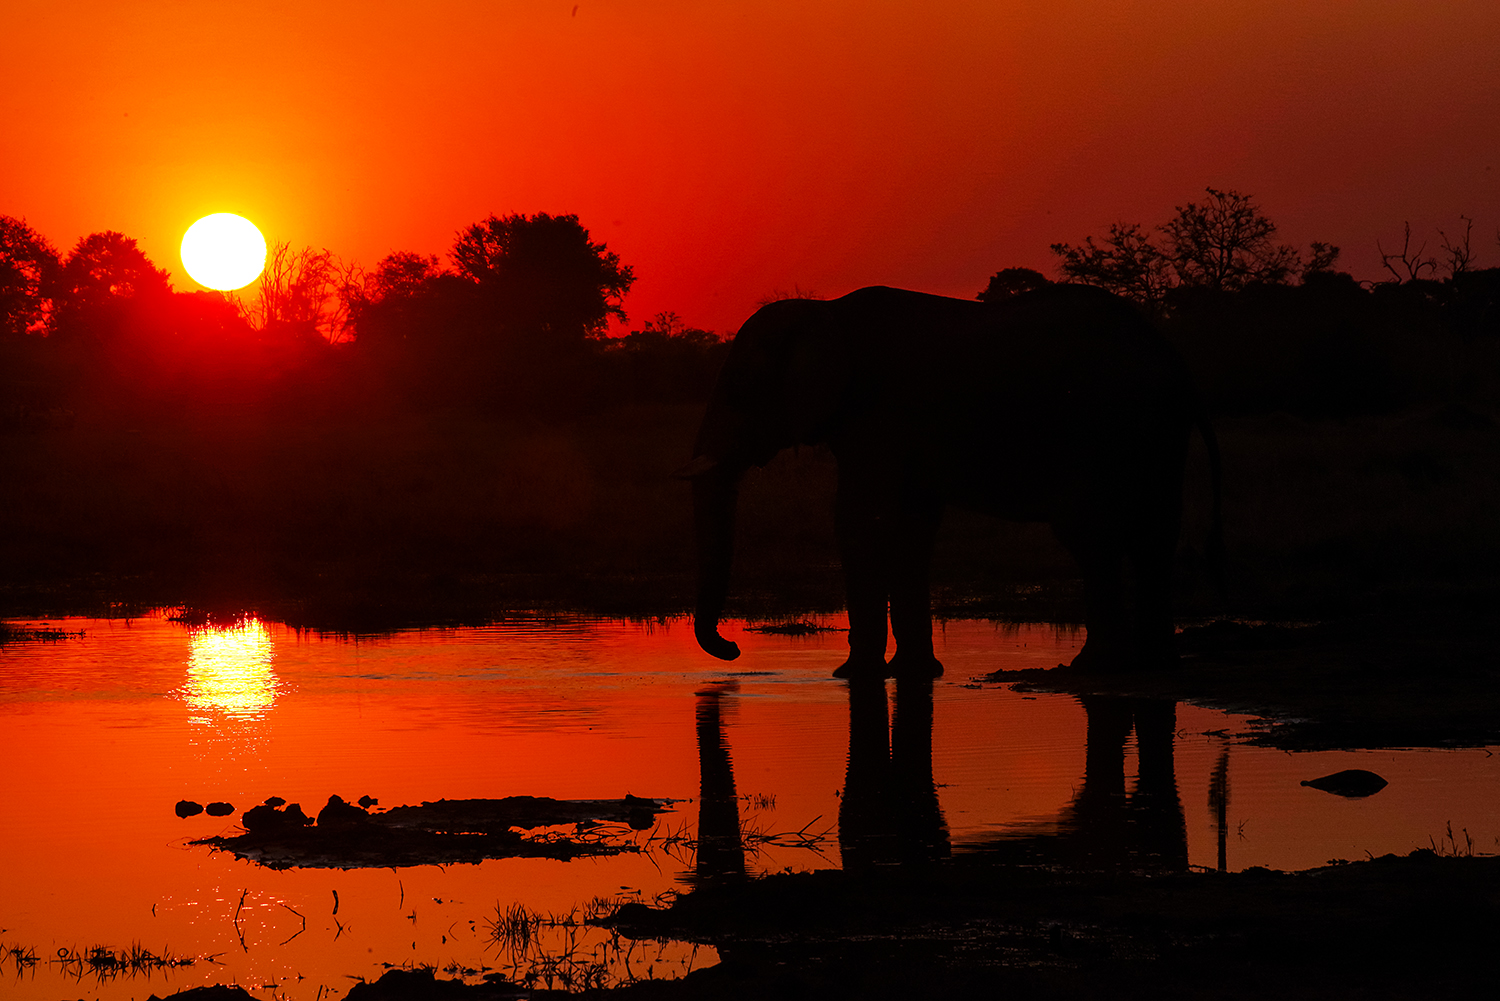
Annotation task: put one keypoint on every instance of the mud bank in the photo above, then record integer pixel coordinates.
(1418, 926)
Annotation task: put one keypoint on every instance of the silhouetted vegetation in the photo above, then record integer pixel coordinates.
(515, 324)
(1224, 244)
(1268, 329)
(440, 433)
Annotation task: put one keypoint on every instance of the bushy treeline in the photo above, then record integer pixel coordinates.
(1268, 328)
(515, 322)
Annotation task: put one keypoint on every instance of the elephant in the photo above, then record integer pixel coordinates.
(1062, 404)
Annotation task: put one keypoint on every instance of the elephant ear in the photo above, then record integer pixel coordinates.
(815, 376)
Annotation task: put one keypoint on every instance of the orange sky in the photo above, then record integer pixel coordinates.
(730, 149)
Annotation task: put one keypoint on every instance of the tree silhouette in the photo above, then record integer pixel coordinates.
(105, 283)
(29, 269)
(1012, 281)
(303, 296)
(541, 277)
(1127, 263)
(1223, 244)
(401, 275)
(1411, 261)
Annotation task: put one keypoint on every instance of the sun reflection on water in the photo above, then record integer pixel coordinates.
(229, 671)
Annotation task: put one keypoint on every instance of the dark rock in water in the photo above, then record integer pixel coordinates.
(448, 831)
(187, 808)
(266, 819)
(220, 809)
(216, 992)
(263, 818)
(341, 814)
(368, 801)
(423, 985)
(1354, 783)
(275, 801)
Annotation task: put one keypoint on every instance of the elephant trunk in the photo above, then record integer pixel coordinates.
(714, 494)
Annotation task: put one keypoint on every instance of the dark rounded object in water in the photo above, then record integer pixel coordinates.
(219, 809)
(368, 801)
(275, 801)
(263, 818)
(187, 808)
(341, 814)
(266, 819)
(1352, 783)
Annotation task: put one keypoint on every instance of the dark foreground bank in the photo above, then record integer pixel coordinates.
(1419, 926)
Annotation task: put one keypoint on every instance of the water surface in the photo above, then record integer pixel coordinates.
(103, 733)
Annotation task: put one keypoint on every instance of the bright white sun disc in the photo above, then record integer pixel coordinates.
(223, 251)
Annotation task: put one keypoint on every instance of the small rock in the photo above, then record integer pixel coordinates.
(187, 808)
(368, 801)
(1352, 783)
(219, 809)
(275, 801)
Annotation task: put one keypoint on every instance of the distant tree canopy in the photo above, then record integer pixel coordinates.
(524, 307)
(542, 274)
(402, 275)
(1223, 244)
(106, 285)
(29, 268)
(664, 361)
(516, 320)
(1012, 281)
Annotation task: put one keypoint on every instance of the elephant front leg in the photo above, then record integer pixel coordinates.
(860, 524)
(866, 594)
(910, 549)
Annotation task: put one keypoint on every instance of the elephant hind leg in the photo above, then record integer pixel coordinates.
(1106, 619)
(1155, 629)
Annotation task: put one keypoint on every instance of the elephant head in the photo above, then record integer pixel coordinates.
(780, 387)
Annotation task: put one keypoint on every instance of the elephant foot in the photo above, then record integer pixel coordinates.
(863, 666)
(918, 667)
(1121, 659)
(1099, 659)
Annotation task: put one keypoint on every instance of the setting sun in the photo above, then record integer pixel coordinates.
(223, 251)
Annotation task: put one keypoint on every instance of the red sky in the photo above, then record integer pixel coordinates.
(728, 150)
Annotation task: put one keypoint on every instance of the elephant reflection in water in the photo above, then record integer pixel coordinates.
(721, 849)
(889, 811)
(1061, 405)
(1106, 826)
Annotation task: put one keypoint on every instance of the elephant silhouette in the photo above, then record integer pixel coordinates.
(1060, 405)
